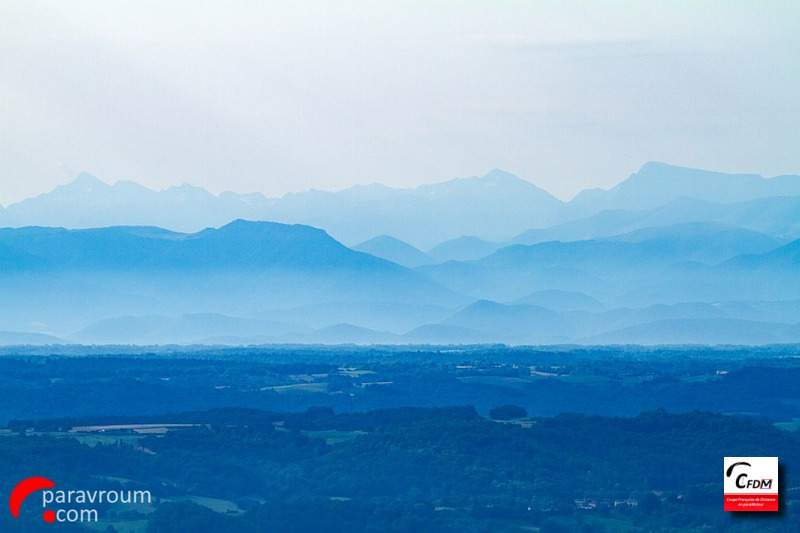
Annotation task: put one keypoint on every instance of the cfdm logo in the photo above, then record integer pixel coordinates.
(71, 505)
(751, 483)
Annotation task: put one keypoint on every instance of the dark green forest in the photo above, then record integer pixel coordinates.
(484, 439)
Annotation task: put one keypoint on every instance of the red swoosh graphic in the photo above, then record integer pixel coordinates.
(24, 488)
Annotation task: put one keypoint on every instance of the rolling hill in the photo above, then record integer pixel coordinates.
(394, 250)
(60, 280)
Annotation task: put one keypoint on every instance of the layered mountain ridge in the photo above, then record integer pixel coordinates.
(703, 258)
(495, 207)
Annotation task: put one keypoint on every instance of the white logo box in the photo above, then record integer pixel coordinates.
(751, 483)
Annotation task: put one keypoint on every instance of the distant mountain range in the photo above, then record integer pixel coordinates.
(425, 216)
(495, 207)
(670, 256)
(259, 282)
(657, 184)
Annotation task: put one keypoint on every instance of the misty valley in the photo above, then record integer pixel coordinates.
(399, 267)
(669, 256)
(474, 355)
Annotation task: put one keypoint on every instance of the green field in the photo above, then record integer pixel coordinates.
(299, 387)
(500, 381)
(333, 436)
(215, 504)
(120, 526)
(355, 373)
(794, 425)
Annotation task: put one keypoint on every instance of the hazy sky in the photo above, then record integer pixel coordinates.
(285, 96)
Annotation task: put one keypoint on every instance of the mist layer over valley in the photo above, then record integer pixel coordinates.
(669, 256)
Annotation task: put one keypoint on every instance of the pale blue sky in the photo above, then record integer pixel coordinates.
(283, 96)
